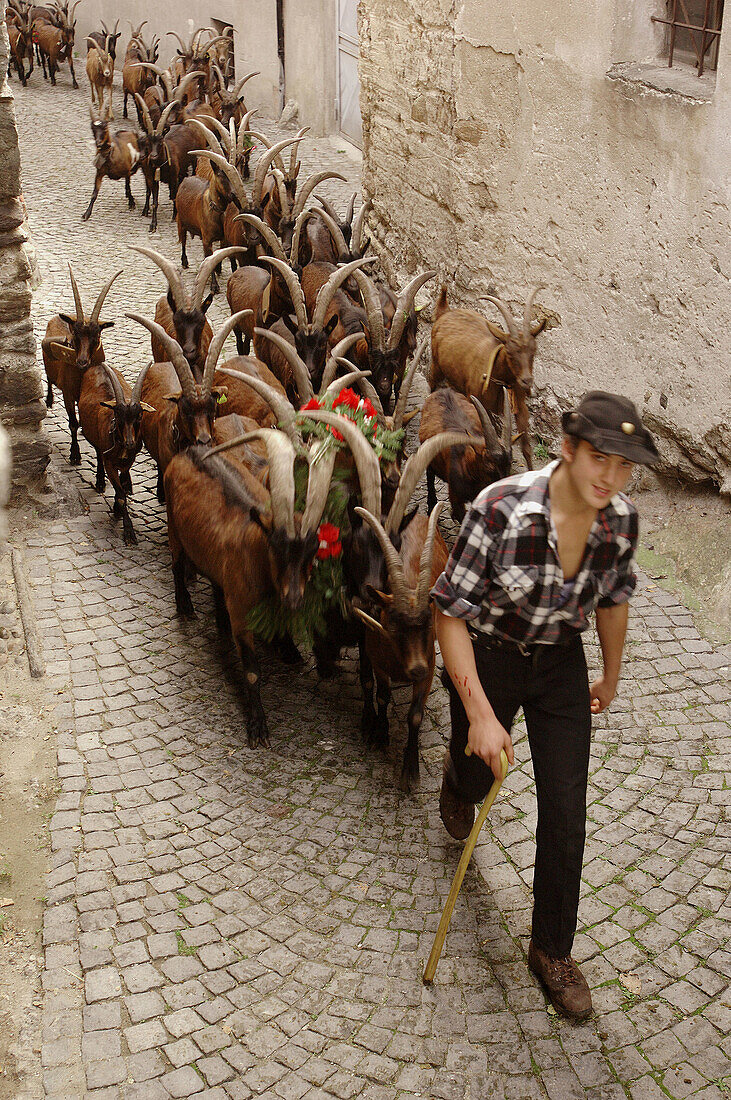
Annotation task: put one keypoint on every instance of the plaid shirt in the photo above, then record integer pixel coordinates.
(504, 572)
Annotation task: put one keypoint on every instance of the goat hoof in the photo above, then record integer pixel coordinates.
(99, 486)
(130, 538)
(75, 459)
(287, 651)
(187, 611)
(409, 777)
(326, 669)
(257, 734)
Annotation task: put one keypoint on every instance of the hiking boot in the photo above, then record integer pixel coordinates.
(565, 984)
(457, 814)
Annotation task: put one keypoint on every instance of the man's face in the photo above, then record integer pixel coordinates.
(595, 476)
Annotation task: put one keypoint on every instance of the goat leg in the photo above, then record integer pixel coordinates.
(383, 698)
(73, 74)
(521, 424)
(160, 488)
(75, 455)
(223, 622)
(410, 767)
(183, 602)
(368, 717)
(97, 184)
(100, 478)
(128, 193)
(155, 199)
(256, 723)
(124, 108)
(118, 477)
(49, 397)
(183, 237)
(431, 492)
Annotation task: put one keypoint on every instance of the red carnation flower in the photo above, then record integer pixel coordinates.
(313, 403)
(368, 408)
(348, 398)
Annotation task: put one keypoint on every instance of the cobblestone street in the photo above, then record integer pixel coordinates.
(223, 922)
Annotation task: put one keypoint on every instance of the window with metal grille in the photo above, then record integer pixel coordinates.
(693, 32)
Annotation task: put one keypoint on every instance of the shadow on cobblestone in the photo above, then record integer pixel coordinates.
(226, 923)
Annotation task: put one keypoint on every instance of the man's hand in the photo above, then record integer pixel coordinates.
(602, 691)
(486, 738)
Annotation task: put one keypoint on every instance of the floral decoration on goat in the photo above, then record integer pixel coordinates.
(385, 442)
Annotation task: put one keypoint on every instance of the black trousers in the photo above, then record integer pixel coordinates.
(551, 685)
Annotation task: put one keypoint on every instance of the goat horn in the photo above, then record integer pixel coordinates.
(398, 412)
(262, 167)
(356, 240)
(341, 348)
(497, 332)
(219, 74)
(77, 298)
(528, 311)
(415, 467)
(234, 178)
(296, 235)
(337, 235)
(163, 118)
(309, 186)
(366, 462)
(293, 168)
(427, 555)
(488, 429)
(174, 34)
(372, 303)
(321, 459)
(282, 408)
(293, 286)
(187, 79)
(146, 116)
(240, 83)
(268, 235)
(366, 388)
(267, 145)
(327, 207)
(208, 136)
(394, 565)
(137, 388)
(351, 208)
(326, 293)
(505, 312)
(138, 32)
(281, 454)
(174, 350)
(301, 375)
(283, 196)
(222, 150)
(168, 270)
(243, 130)
(207, 266)
(216, 346)
(344, 380)
(115, 384)
(94, 319)
(404, 305)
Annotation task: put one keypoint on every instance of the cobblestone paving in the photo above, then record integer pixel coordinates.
(223, 923)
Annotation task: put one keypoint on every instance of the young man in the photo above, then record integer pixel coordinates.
(536, 554)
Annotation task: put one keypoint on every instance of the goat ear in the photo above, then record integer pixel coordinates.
(261, 519)
(108, 404)
(219, 392)
(106, 324)
(68, 319)
(374, 594)
(265, 199)
(331, 324)
(497, 332)
(147, 408)
(407, 519)
(63, 351)
(171, 300)
(290, 322)
(539, 327)
(172, 397)
(206, 303)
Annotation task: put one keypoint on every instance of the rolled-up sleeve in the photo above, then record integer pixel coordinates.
(626, 578)
(460, 589)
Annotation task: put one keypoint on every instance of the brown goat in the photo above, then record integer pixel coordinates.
(55, 44)
(250, 544)
(136, 79)
(70, 345)
(474, 356)
(111, 419)
(100, 71)
(199, 211)
(466, 468)
(21, 44)
(118, 156)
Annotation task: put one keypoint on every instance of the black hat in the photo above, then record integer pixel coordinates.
(611, 424)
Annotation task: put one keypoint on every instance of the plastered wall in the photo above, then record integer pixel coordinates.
(498, 149)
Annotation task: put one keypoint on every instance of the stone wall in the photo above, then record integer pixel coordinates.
(21, 407)
(515, 144)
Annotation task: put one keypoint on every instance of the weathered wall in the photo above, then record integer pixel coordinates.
(310, 45)
(21, 408)
(497, 149)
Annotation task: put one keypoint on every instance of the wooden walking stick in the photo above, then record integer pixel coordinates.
(459, 874)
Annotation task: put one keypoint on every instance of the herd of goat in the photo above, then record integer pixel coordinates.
(248, 449)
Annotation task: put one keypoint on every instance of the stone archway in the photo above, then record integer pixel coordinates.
(21, 406)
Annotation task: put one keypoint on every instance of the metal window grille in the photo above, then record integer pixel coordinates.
(694, 30)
